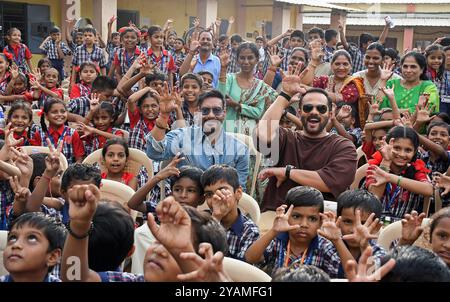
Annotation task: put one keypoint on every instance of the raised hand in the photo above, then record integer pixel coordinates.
(112, 19)
(411, 227)
(361, 273)
(281, 221)
(218, 22)
(53, 159)
(364, 232)
(10, 141)
(14, 70)
(225, 59)
(344, 112)
(231, 20)
(291, 83)
(275, 59)
(377, 174)
(23, 162)
(232, 103)
(174, 231)
(85, 129)
(442, 181)
(330, 227)
(83, 200)
(288, 32)
(389, 92)
(94, 102)
(221, 202)
(386, 72)
(316, 51)
(196, 22)
(167, 100)
(21, 193)
(423, 112)
(171, 169)
(210, 268)
(375, 103)
(279, 173)
(387, 149)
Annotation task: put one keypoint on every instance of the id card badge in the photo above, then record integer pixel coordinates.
(445, 99)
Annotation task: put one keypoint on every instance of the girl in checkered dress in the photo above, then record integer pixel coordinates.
(55, 112)
(158, 55)
(20, 52)
(124, 57)
(95, 137)
(143, 109)
(115, 155)
(88, 73)
(5, 75)
(20, 116)
(49, 88)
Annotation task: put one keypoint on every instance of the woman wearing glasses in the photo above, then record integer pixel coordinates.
(246, 96)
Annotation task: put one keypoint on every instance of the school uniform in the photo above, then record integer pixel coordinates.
(51, 50)
(95, 141)
(80, 90)
(43, 97)
(240, 236)
(123, 61)
(164, 62)
(21, 54)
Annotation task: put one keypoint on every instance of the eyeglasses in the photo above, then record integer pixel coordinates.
(307, 108)
(216, 111)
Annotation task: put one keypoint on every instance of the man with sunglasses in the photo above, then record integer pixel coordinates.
(202, 145)
(312, 157)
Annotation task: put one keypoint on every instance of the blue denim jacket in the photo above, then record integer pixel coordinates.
(196, 147)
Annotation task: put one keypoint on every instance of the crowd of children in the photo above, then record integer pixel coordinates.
(395, 111)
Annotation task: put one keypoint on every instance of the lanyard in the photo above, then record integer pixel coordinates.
(390, 199)
(288, 255)
(50, 137)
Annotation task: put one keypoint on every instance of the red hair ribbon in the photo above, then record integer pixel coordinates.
(7, 55)
(40, 112)
(77, 69)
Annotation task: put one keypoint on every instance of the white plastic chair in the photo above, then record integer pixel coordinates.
(240, 271)
(330, 206)
(359, 175)
(142, 240)
(117, 191)
(266, 221)
(40, 149)
(393, 232)
(248, 141)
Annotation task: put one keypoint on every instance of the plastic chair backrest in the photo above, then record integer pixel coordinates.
(3, 241)
(248, 205)
(117, 191)
(40, 149)
(266, 221)
(393, 232)
(359, 175)
(240, 271)
(248, 141)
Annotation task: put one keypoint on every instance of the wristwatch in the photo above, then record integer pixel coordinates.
(285, 95)
(288, 171)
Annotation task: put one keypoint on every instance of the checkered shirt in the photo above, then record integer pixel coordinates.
(6, 200)
(357, 59)
(240, 236)
(443, 85)
(285, 53)
(328, 51)
(82, 55)
(48, 278)
(188, 116)
(51, 50)
(120, 277)
(79, 106)
(137, 136)
(233, 67)
(93, 143)
(321, 253)
(21, 59)
(164, 63)
(121, 59)
(67, 149)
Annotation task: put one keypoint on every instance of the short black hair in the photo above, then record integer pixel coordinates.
(54, 231)
(236, 38)
(217, 173)
(415, 264)
(365, 38)
(115, 141)
(298, 34)
(112, 237)
(38, 167)
(392, 53)
(155, 77)
(304, 273)
(207, 229)
(90, 30)
(317, 90)
(154, 29)
(438, 124)
(316, 30)
(359, 199)
(191, 172)
(223, 38)
(211, 94)
(303, 196)
(55, 30)
(193, 76)
(444, 116)
(83, 172)
(437, 217)
(103, 83)
(330, 34)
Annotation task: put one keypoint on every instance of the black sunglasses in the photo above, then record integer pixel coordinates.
(216, 111)
(307, 108)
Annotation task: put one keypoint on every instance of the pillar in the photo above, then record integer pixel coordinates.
(408, 37)
(299, 18)
(241, 17)
(207, 12)
(281, 19)
(103, 11)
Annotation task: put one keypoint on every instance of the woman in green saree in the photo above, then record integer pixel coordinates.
(413, 85)
(247, 97)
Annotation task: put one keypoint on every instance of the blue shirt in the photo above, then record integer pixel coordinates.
(212, 65)
(196, 147)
